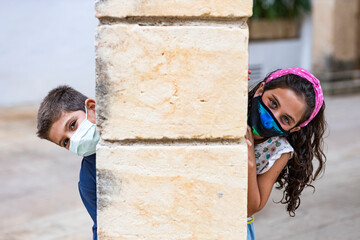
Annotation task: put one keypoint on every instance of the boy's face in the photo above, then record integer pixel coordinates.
(63, 128)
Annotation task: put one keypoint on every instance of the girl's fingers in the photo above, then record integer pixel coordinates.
(248, 142)
(249, 137)
(248, 133)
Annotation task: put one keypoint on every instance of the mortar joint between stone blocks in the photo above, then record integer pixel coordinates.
(240, 22)
(172, 142)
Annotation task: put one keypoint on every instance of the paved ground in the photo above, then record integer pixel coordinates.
(39, 198)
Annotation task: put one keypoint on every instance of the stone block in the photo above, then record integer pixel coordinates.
(173, 8)
(178, 82)
(172, 192)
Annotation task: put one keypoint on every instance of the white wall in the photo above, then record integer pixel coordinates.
(272, 55)
(44, 44)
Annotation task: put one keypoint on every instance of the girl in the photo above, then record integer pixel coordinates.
(285, 133)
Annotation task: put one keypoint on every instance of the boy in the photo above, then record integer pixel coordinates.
(67, 118)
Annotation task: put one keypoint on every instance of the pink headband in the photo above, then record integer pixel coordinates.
(308, 76)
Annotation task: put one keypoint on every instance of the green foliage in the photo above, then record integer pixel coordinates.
(273, 9)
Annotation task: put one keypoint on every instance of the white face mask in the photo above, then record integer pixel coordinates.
(83, 141)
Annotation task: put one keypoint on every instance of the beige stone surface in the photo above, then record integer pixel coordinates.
(206, 8)
(346, 23)
(172, 192)
(323, 32)
(335, 34)
(171, 82)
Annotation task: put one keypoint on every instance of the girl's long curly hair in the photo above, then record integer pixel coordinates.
(307, 142)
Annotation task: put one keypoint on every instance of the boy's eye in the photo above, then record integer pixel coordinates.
(72, 125)
(66, 141)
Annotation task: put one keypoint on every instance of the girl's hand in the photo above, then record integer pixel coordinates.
(251, 151)
(249, 72)
(249, 137)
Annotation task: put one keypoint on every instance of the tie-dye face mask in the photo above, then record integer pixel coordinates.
(309, 77)
(263, 122)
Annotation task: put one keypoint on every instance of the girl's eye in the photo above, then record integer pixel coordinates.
(72, 126)
(272, 103)
(286, 120)
(66, 141)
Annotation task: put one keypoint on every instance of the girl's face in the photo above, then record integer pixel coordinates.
(286, 106)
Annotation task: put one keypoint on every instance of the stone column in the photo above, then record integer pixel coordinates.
(171, 93)
(336, 24)
(336, 49)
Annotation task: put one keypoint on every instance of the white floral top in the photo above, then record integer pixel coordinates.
(266, 153)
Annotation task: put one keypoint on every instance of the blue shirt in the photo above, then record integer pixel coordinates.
(87, 188)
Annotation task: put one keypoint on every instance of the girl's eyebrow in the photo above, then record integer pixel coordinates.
(276, 99)
(278, 102)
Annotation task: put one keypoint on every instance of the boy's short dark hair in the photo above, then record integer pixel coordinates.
(59, 100)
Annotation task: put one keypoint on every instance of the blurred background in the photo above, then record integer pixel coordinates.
(44, 44)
